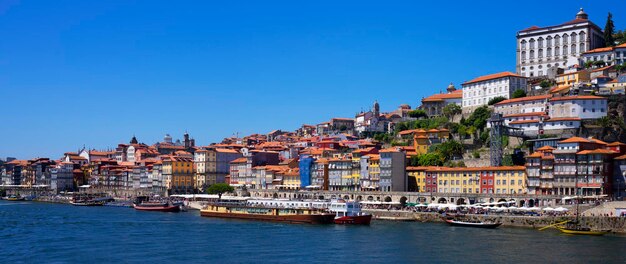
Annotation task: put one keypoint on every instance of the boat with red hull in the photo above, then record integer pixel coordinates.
(157, 207)
(349, 213)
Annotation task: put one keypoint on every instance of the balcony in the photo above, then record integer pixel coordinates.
(547, 176)
(546, 186)
(533, 184)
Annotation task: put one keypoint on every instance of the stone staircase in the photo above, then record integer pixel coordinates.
(604, 208)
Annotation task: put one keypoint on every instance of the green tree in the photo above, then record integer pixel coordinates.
(507, 160)
(519, 93)
(219, 189)
(451, 109)
(599, 63)
(418, 113)
(478, 119)
(449, 149)
(431, 159)
(545, 84)
(609, 30)
(620, 37)
(496, 100)
(588, 64)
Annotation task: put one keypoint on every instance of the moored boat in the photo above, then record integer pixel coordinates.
(270, 210)
(87, 203)
(574, 228)
(477, 224)
(582, 231)
(15, 198)
(349, 212)
(156, 207)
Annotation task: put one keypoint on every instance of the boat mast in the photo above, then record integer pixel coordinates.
(576, 185)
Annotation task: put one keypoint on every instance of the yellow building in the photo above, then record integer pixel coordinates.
(573, 77)
(422, 139)
(179, 174)
(417, 179)
(291, 178)
(498, 180)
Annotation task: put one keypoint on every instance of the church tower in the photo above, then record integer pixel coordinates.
(376, 109)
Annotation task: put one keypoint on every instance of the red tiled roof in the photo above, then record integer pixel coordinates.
(560, 88)
(596, 151)
(535, 155)
(598, 50)
(616, 144)
(583, 140)
(545, 148)
(524, 122)
(524, 99)
(576, 97)
(559, 119)
(458, 94)
(493, 76)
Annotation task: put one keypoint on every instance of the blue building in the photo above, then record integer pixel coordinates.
(305, 164)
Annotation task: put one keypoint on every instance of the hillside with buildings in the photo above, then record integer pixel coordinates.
(557, 120)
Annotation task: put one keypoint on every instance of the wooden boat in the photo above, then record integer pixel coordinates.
(274, 210)
(582, 231)
(349, 213)
(14, 198)
(453, 222)
(157, 207)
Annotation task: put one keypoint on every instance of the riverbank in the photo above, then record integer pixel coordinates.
(615, 224)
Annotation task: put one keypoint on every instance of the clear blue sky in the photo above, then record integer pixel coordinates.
(94, 73)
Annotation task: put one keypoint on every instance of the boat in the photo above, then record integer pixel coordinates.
(349, 212)
(297, 212)
(86, 203)
(476, 224)
(574, 227)
(156, 206)
(576, 230)
(14, 198)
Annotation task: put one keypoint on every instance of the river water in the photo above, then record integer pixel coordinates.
(55, 233)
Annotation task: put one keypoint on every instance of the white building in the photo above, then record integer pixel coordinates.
(581, 106)
(62, 177)
(536, 114)
(610, 55)
(480, 90)
(542, 48)
(523, 105)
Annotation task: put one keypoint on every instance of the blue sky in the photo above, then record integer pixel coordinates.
(94, 73)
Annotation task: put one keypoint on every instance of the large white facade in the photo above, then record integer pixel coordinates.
(479, 91)
(539, 49)
(584, 107)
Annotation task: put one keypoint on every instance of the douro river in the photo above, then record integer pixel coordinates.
(54, 233)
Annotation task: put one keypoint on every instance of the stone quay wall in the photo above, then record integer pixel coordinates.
(615, 224)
